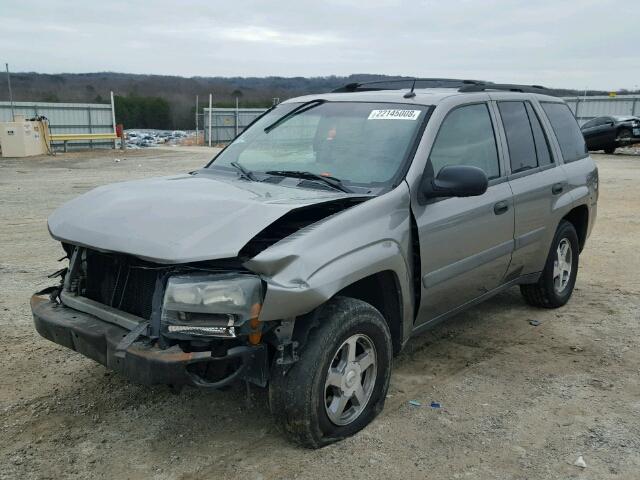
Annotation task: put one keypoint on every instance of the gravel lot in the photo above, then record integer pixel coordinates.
(518, 401)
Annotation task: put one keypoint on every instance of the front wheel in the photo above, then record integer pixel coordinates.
(623, 137)
(340, 382)
(555, 286)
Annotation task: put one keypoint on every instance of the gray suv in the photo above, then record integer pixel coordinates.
(306, 254)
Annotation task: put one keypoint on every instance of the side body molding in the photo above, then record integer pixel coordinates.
(307, 268)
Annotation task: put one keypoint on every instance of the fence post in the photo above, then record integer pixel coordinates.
(90, 128)
(210, 107)
(237, 115)
(113, 119)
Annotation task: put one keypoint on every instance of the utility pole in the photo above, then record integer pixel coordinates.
(13, 114)
(210, 107)
(196, 119)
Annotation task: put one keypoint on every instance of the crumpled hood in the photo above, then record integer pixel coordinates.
(177, 219)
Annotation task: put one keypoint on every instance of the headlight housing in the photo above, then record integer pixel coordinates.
(210, 304)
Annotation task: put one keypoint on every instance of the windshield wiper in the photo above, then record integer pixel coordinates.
(303, 107)
(334, 182)
(244, 173)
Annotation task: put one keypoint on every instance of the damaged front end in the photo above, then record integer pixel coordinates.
(191, 324)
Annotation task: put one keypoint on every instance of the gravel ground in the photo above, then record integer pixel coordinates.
(518, 401)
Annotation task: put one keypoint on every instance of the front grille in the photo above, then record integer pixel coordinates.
(121, 282)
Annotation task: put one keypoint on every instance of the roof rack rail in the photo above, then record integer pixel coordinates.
(510, 87)
(370, 86)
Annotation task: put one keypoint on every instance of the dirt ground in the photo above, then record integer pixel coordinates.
(518, 401)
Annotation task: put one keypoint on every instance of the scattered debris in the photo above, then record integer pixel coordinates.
(577, 348)
(580, 462)
(535, 323)
(415, 403)
(435, 405)
(117, 160)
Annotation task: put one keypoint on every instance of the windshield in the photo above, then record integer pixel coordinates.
(358, 143)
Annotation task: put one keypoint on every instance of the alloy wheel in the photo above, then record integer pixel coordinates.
(350, 379)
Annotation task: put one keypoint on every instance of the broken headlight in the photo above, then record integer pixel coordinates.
(210, 305)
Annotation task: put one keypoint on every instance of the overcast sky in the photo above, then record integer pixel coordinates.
(556, 43)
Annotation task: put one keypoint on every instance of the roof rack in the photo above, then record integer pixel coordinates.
(369, 86)
(481, 87)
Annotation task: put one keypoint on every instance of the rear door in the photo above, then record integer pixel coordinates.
(465, 243)
(536, 180)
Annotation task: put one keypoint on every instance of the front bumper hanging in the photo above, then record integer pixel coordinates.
(121, 350)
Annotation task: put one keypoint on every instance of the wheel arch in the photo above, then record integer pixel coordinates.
(382, 291)
(579, 218)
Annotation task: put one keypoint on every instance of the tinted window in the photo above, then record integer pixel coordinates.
(522, 149)
(567, 131)
(466, 138)
(590, 123)
(542, 144)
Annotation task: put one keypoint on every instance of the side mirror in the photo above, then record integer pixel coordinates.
(455, 181)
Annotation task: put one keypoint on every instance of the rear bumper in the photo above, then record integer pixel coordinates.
(138, 361)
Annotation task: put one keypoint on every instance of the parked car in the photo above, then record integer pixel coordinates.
(610, 132)
(306, 254)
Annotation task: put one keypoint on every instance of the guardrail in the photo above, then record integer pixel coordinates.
(79, 137)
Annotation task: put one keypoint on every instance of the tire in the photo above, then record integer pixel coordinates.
(623, 137)
(548, 292)
(609, 150)
(298, 396)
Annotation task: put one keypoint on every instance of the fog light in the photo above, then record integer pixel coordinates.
(225, 332)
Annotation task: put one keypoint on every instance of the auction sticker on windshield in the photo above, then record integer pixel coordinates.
(394, 114)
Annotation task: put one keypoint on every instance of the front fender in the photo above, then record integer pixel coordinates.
(297, 296)
(309, 267)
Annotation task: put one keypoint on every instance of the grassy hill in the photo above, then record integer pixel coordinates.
(177, 94)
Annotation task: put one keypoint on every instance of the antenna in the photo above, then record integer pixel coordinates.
(411, 93)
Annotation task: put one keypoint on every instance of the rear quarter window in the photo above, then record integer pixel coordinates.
(567, 131)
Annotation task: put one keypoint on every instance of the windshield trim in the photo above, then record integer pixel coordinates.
(383, 187)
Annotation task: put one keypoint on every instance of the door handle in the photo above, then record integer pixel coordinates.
(500, 208)
(557, 188)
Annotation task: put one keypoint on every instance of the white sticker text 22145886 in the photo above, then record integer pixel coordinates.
(395, 114)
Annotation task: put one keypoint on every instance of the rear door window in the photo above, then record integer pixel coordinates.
(567, 132)
(543, 151)
(466, 138)
(522, 148)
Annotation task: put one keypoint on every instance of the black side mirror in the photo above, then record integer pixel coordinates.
(456, 181)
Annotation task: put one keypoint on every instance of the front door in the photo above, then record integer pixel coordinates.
(465, 243)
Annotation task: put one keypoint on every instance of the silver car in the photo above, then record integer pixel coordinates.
(304, 256)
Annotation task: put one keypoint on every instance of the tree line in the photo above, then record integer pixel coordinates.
(162, 101)
(134, 111)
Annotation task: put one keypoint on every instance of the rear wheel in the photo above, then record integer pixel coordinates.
(340, 382)
(555, 286)
(609, 150)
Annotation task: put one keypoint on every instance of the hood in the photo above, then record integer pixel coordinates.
(179, 219)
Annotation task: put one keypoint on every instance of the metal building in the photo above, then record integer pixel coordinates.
(67, 118)
(586, 108)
